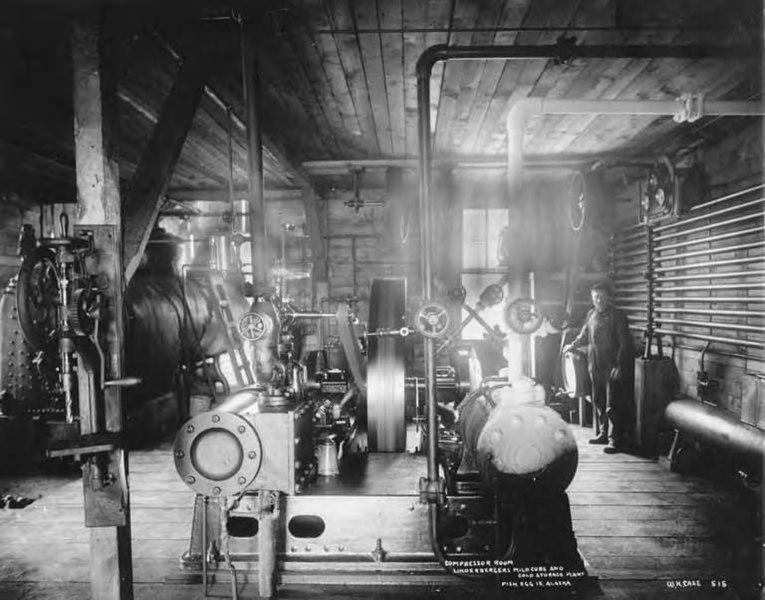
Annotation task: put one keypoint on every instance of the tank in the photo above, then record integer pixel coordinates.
(509, 433)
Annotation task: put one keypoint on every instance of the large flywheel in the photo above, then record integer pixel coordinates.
(386, 389)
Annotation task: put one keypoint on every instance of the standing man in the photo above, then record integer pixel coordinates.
(609, 357)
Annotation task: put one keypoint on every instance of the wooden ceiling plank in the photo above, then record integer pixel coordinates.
(390, 17)
(439, 16)
(278, 47)
(414, 17)
(341, 16)
(666, 136)
(158, 161)
(475, 96)
(602, 79)
(650, 85)
(315, 17)
(370, 48)
(540, 14)
(466, 13)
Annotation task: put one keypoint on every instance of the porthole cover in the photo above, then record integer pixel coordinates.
(217, 453)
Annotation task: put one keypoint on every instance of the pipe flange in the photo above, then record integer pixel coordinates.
(432, 319)
(217, 454)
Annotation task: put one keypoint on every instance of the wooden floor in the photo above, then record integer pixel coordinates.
(639, 527)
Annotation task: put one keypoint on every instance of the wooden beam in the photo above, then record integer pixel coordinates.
(99, 212)
(221, 194)
(161, 155)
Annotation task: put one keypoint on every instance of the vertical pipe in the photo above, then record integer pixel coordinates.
(423, 103)
(256, 195)
(649, 328)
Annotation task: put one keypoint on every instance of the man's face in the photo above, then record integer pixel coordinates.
(600, 300)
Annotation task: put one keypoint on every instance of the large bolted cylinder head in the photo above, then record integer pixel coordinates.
(217, 453)
(509, 432)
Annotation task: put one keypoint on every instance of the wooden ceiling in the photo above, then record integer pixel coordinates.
(338, 82)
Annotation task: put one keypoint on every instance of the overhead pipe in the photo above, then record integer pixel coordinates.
(443, 52)
(525, 108)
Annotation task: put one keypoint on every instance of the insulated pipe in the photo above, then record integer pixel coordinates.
(711, 338)
(711, 263)
(715, 275)
(444, 52)
(713, 325)
(712, 238)
(707, 251)
(716, 426)
(525, 108)
(715, 213)
(708, 226)
(728, 197)
(714, 312)
(712, 300)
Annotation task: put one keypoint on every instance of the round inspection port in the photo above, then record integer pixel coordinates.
(215, 457)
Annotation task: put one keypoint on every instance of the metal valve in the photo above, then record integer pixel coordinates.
(432, 319)
(254, 326)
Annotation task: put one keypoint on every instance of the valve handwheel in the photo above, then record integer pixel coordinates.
(523, 316)
(432, 319)
(254, 326)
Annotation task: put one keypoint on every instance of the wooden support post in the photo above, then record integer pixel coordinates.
(161, 155)
(106, 494)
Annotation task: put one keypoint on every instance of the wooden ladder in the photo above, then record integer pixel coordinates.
(234, 345)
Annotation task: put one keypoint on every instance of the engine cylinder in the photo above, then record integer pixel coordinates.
(509, 432)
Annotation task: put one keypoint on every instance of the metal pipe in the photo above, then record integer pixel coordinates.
(706, 251)
(708, 226)
(718, 352)
(716, 426)
(256, 195)
(712, 338)
(711, 288)
(712, 238)
(714, 325)
(708, 215)
(631, 263)
(443, 52)
(631, 253)
(715, 275)
(711, 300)
(716, 312)
(712, 263)
(728, 197)
(425, 164)
(525, 108)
